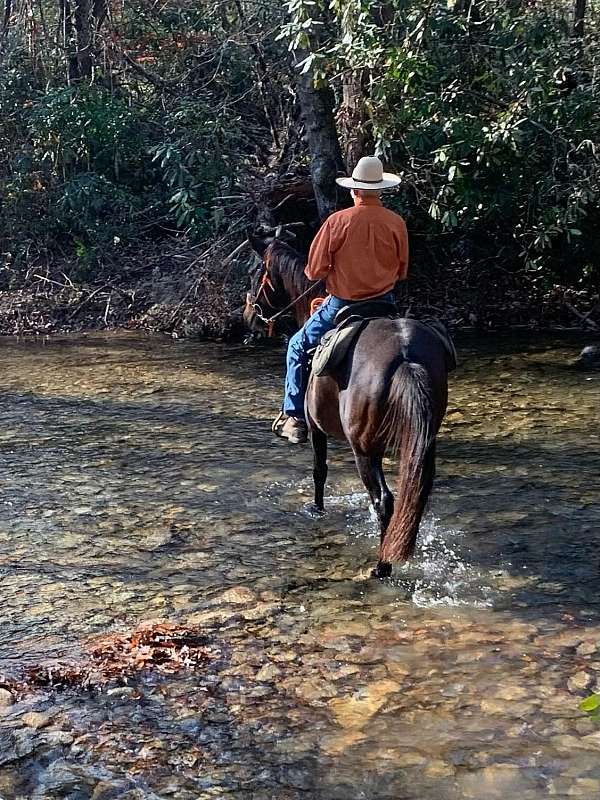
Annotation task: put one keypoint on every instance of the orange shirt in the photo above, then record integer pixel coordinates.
(360, 252)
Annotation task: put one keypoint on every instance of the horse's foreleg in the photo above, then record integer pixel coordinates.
(319, 445)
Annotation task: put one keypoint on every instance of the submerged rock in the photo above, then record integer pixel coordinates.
(6, 698)
(589, 358)
(356, 710)
(36, 720)
(63, 779)
(238, 595)
(579, 681)
(15, 745)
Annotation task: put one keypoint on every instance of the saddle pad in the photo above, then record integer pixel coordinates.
(334, 346)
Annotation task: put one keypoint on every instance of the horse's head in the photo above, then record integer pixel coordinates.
(267, 294)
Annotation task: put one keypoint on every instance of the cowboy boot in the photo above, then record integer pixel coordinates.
(291, 428)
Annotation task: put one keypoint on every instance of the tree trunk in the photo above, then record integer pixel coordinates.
(352, 118)
(6, 17)
(68, 36)
(84, 29)
(316, 110)
(579, 18)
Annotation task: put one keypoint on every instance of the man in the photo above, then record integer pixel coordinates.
(361, 253)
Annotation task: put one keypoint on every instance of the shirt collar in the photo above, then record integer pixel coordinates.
(368, 200)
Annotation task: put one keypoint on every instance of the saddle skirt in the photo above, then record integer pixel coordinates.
(352, 320)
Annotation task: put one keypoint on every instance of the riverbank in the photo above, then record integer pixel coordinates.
(198, 291)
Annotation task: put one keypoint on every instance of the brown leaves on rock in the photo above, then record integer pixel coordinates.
(162, 647)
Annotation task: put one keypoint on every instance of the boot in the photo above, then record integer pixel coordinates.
(291, 428)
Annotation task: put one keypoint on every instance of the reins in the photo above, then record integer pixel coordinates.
(270, 321)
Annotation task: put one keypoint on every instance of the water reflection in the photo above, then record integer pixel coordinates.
(140, 481)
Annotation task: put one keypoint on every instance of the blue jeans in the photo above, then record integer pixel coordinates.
(309, 336)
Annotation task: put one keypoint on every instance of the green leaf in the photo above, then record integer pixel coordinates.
(591, 703)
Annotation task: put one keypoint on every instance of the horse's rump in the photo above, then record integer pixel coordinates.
(353, 401)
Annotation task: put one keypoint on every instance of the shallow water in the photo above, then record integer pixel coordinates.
(140, 481)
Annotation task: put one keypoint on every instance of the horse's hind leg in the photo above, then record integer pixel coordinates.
(319, 445)
(371, 472)
(386, 509)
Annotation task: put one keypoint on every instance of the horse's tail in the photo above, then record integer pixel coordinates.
(409, 432)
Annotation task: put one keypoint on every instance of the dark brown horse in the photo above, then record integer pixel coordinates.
(388, 395)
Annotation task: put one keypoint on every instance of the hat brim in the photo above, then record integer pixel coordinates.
(389, 181)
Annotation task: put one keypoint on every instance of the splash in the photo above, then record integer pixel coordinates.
(438, 574)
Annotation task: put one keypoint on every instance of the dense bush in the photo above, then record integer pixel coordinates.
(488, 108)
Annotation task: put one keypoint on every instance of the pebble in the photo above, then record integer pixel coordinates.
(591, 741)
(356, 710)
(36, 720)
(585, 787)
(506, 707)
(121, 691)
(316, 690)
(440, 769)
(579, 681)
(511, 692)
(268, 673)
(238, 595)
(63, 779)
(111, 790)
(6, 698)
(494, 782)
(58, 738)
(587, 648)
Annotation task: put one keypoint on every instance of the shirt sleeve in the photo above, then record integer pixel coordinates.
(319, 256)
(402, 252)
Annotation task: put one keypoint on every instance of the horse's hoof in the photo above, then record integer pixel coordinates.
(314, 510)
(382, 570)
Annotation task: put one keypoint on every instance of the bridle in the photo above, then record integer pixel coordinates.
(265, 282)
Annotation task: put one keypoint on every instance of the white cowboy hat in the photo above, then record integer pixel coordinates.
(369, 174)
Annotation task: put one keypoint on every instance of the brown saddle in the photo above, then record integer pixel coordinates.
(352, 320)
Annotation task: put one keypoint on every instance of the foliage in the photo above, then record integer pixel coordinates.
(488, 109)
(144, 145)
(489, 114)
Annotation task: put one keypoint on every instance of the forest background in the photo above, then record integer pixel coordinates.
(140, 139)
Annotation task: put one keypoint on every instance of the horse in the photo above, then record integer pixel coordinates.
(389, 395)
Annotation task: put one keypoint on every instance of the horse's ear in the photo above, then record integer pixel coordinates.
(258, 244)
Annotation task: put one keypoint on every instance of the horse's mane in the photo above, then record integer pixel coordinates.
(290, 266)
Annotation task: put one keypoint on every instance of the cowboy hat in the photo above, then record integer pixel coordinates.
(369, 174)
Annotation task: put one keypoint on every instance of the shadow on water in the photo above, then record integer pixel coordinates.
(545, 515)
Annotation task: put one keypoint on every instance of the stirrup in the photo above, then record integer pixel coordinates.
(279, 422)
